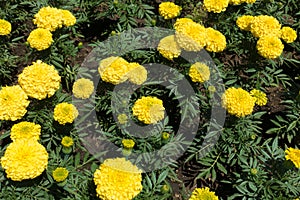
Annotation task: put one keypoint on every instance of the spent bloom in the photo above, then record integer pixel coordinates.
(215, 6)
(199, 72)
(118, 178)
(39, 80)
(260, 97)
(293, 155)
(40, 39)
(168, 47)
(244, 22)
(269, 47)
(238, 102)
(24, 159)
(169, 10)
(65, 113)
(83, 88)
(288, 34)
(149, 110)
(263, 25)
(5, 27)
(60, 174)
(49, 18)
(25, 130)
(13, 101)
(203, 194)
(67, 141)
(216, 41)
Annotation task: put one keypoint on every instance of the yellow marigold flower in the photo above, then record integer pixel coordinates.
(181, 22)
(13, 101)
(190, 35)
(203, 194)
(215, 6)
(168, 47)
(293, 155)
(149, 110)
(25, 130)
(238, 102)
(169, 10)
(68, 18)
(39, 80)
(67, 141)
(244, 22)
(250, 1)
(83, 88)
(122, 118)
(5, 27)
(128, 143)
(216, 41)
(65, 113)
(269, 47)
(49, 18)
(288, 34)
(199, 72)
(40, 39)
(265, 25)
(60, 174)
(136, 74)
(24, 159)
(260, 97)
(113, 70)
(118, 179)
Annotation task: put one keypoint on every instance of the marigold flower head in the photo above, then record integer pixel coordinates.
(199, 72)
(24, 159)
(122, 118)
(83, 88)
(288, 34)
(65, 113)
(263, 25)
(13, 101)
(128, 143)
(180, 22)
(168, 47)
(40, 39)
(216, 41)
(190, 35)
(137, 74)
(215, 6)
(39, 80)
(60, 174)
(5, 27)
(169, 10)
(118, 179)
(269, 47)
(25, 130)
(249, 1)
(244, 22)
(49, 18)
(203, 193)
(149, 110)
(67, 141)
(238, 102)
(68, 18)
(260, 97)
(113, 70)
(293, 155)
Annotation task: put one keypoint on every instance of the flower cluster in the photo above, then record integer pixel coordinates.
(293, 155)
(25, 130)
(118, 179)
(52, 18)
(39, 80)
(65, 113)
(40, 39)
(14, 102)
(5, 27)
(149, 110)
(238, 102)
(260, 97)
(218, 6)
(203, 193)
(199, 72)
(24, 159)
(83, 88)
(169, 10)
(60, 174)
(269, 31)
(116, 70)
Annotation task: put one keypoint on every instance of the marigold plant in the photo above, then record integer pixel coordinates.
(49, 18)
(288, 34)
(269, 47)
(216, 41)
(137, 74)
(215, 6)
(60, 174)
(260, 97)
(264, 25)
